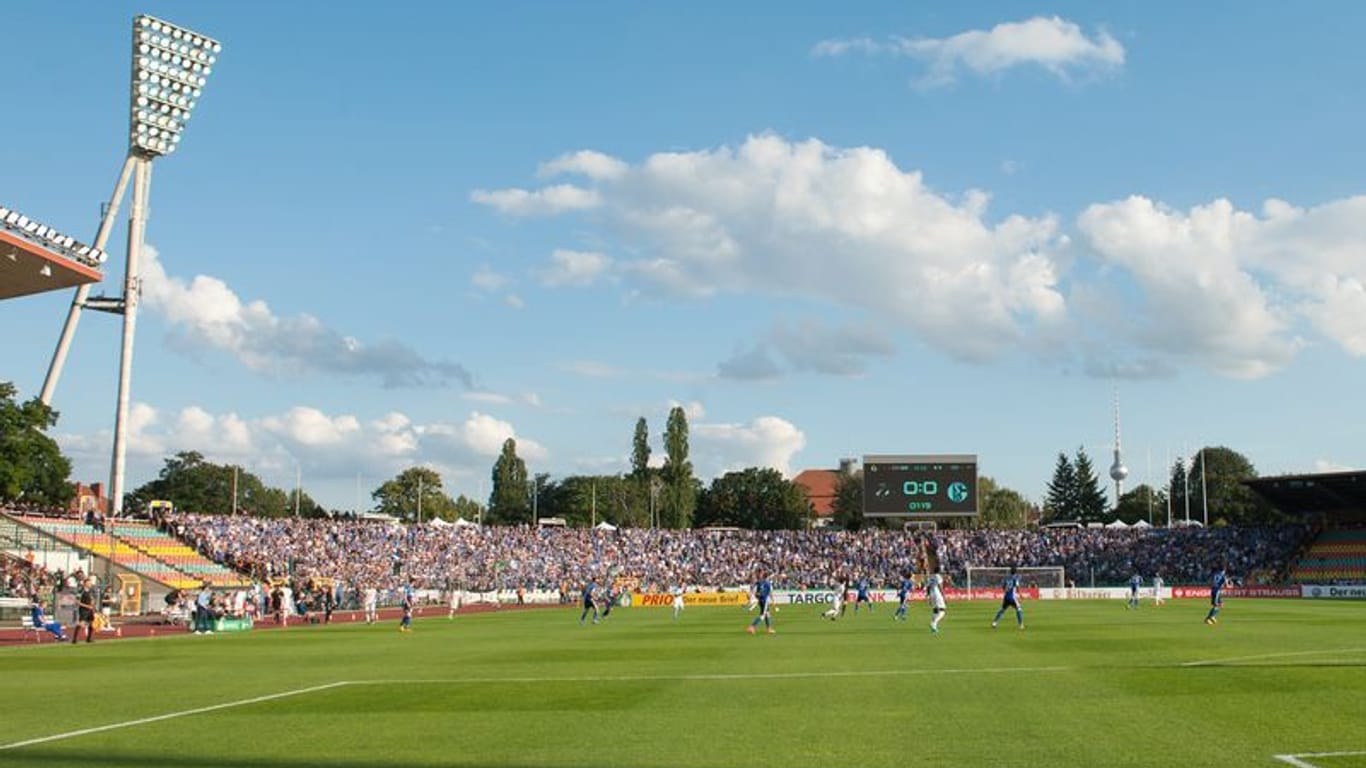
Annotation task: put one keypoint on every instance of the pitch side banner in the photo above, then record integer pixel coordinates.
(663, 600)
(1316, 592)
(822, 597)
(1203, 592)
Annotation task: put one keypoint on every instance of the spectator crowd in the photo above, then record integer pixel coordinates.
(362, 554)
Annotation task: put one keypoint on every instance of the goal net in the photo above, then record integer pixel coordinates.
(1053, 577)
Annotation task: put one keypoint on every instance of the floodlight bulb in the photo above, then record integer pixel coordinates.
(176, 34)
(217, 48)
(156, 26)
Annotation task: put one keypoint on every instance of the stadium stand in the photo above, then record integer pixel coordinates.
(1334, 557)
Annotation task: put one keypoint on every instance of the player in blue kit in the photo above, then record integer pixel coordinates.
(1216, 594)
(589, 604)
(763, 591)
(861, 596)
(1011, 599)
(406, 602)
(903, 597)
(1135, 582)
(611, 600)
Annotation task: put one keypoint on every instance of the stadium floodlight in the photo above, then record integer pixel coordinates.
(49, 238)
(171, 66)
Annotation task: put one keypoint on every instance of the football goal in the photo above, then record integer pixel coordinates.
(981, 577)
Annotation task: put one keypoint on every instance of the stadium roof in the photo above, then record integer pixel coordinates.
(27, 267)
(1339, 495)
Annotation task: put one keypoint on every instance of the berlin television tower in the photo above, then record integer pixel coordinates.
(1117, 470)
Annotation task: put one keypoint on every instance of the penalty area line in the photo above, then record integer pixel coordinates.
(1260, 657)
(171, 715)
(705, 677)
(1296, 760)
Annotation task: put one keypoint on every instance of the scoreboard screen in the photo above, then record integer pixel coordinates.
(920, 486)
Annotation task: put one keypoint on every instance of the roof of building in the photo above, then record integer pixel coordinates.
(820, 485)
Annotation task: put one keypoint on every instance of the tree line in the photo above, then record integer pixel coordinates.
(663, 494)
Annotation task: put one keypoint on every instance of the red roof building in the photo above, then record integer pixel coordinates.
(819, 485)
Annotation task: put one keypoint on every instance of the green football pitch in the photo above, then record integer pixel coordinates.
(1086, 684)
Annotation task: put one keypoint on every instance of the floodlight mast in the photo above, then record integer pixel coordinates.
(170, 66)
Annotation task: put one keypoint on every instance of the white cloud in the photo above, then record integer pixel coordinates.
(768, 441)
(586, 162)
(577, 268)
(1199, 297)
(693, 409)
(808, 346)
(326, 447)
(514, 301)
(542, 202)
(204, 313)
(838, 225)
(1053, 43)
(485, 279)
(1326, 465)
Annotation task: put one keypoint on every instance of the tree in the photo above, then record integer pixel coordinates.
(468, 508)
(508, 500)
(641, 474)
(196, 485)
(1091, 503)
(1061, 501)
(1216, 479)
(1142, 503)
(1000, 507)
(399, 496)
(848, 504)
(756, 498)
(680, 487)
(32, 467)
(1176, 489)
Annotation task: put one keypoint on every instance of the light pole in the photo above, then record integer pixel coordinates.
(171, 65)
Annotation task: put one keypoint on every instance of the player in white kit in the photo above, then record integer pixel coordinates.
(371, 605)
(934, 593)
(678, 600)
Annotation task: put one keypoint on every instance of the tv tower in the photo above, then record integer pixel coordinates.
(1117, 470)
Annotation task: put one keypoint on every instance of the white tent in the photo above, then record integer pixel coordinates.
(605, 526)
(461, 522)
(1141, 524)
(1118, 525)
(437, 522)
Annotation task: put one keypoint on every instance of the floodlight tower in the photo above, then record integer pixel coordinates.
(171, 65)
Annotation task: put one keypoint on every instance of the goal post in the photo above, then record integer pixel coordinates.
(1046, 577)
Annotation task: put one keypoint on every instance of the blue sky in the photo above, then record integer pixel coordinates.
(398, 237)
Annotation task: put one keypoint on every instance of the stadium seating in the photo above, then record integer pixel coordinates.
(1336, 556)
(142, 549)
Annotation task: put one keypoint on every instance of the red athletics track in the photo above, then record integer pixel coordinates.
(151, 626)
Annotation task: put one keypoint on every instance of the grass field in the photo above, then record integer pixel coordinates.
(1087, 684)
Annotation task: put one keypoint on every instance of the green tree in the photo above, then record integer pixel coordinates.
(1176, 490)
(1061, 501)
(755, 498)
(1091, 503)
(641, 474)
(400, 496)
(680, 487)
(847, 507)
(32, 467)
(1217, 475)
(1137, 502)
(509, 501)
(196, 485)
(1000, 507)
(468, 508)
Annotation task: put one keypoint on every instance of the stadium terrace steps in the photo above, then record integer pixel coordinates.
(1338, 555)
(142, 549)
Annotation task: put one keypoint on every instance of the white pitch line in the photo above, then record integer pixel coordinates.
(1231, 659)
(169, 716)
(706, 677)
(1298, 763)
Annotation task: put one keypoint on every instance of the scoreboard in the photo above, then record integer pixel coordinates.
(932, 485)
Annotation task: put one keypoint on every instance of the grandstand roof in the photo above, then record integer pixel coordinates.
(27, 268)
(1341, 496)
